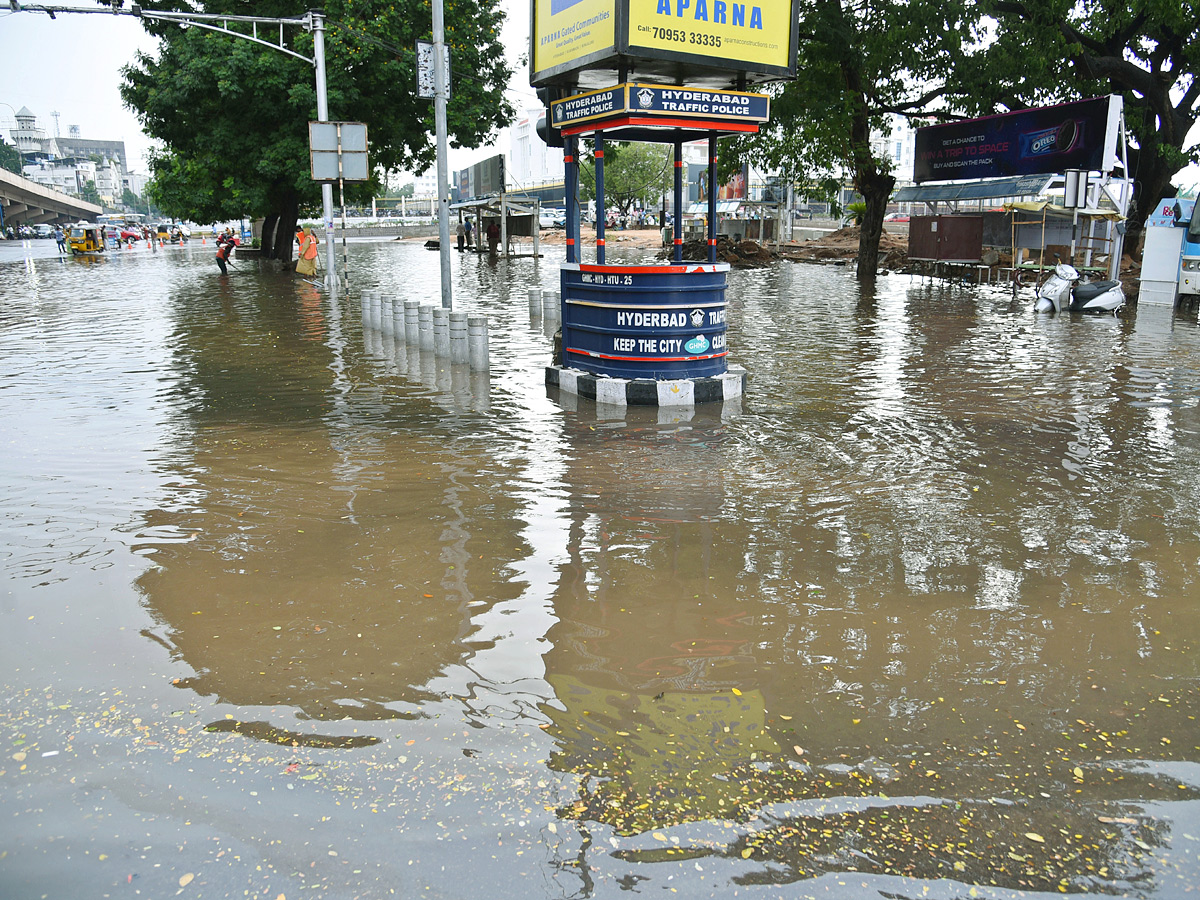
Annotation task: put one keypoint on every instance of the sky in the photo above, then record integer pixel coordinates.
(72, 65)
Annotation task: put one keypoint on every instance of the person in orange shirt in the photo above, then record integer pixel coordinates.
(306, 263)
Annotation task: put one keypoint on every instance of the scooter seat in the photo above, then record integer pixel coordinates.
(1092, 290)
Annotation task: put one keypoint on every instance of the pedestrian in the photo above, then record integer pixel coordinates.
(461, 233)
(306, 263)
(470, 236)
(61, 237)
(224, 248)
(493, 236)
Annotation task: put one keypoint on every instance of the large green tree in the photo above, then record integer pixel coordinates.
(634, 174)
(232, 115)
(10, 157)
(1046, 51)
(857, 62)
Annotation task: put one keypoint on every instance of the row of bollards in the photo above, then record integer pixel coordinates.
(460, 337)
(543, 304)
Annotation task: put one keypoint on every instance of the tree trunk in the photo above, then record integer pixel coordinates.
(1152, 183)
(876, 190)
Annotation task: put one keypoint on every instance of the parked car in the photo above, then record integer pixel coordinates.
(553, 218)
(896, 217)
(42, 230)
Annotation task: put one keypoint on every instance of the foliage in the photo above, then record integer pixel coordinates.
(850, 77)
(10, 157)
(90, 194)
(406, 190)
(857, 209)
(634, 174)
(232, 115)
(1048, 51)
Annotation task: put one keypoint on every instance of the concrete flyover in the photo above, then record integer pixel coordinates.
(25, 202)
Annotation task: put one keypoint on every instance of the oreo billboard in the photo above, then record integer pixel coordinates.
(1042, 141)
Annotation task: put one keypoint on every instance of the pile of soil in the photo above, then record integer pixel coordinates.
(842, 246)
(739, 254)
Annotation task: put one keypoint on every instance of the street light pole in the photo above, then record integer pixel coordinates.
(441, 80)
(318, 27)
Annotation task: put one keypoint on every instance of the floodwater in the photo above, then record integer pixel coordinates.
(292, 611)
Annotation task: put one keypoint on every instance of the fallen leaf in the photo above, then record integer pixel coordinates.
(736, 691)
(186, 879)
(746, 853)
(1035, 837)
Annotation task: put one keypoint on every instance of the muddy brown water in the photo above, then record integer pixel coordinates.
(292, 610)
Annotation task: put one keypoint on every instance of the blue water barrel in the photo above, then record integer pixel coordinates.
(659, 322)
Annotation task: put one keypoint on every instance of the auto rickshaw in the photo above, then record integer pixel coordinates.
(87, 237)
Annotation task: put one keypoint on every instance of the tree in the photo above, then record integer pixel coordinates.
(633, 174)
(90, 193)
(10, 157)
(1047, 51)
(857, 62)
(406, 191)
(232, 115)
(130, 199)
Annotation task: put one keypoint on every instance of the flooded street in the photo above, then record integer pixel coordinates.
(292, 610)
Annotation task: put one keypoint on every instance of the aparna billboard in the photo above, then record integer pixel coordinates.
(687, 39)
(1046, 140)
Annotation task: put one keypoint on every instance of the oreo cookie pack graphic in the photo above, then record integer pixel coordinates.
(1040, 141)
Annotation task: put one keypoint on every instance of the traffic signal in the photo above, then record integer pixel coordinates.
(546, 131)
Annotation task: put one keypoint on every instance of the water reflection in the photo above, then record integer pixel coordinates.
(917, 609)
(328, 559)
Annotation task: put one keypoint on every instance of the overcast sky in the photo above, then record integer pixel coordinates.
(72, 65)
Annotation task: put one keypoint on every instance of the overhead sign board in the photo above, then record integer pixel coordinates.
(1046, 140)
(338, 151)
(651, 101)
(708, 41)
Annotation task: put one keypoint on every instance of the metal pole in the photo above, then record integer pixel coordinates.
(677, 233)
(571, 158)
(318, 27)
(440, 80)
(601, 213)
(712, 198)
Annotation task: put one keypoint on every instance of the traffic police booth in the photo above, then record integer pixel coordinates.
(664, 71)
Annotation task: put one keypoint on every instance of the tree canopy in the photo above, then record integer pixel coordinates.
(857, 62)
(634, 174)
(10, 157)
(232, 115)
(1036, 52)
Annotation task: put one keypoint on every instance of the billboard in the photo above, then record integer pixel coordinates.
(1046, 140)
(653, 101)
(584, 43)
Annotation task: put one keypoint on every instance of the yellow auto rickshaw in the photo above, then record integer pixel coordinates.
(87, 237)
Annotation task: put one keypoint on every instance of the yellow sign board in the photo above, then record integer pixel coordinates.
(756, 32)
(570, 31)
(582, 43)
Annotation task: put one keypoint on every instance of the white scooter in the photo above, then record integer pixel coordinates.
(1062, 291)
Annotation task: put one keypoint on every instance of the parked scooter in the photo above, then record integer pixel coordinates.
(1061, 290)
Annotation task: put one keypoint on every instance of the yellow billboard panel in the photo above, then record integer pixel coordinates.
(754, 32)
(565, 31)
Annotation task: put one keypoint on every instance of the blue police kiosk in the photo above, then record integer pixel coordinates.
(611, 71)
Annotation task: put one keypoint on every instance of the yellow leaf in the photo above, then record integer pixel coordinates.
(786, 718)
(736, 691)
(1035, 837)
(186, 879)
(747, 852)
(1078, 772)
(659, 836)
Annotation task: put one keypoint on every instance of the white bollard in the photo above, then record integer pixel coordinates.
(458, 338)
(376, 306)
(398, 320)
(425, 320)
(441, 331)
(535, 301)
(385, 314)
(365, 299)
(477, 342)
(412, 322)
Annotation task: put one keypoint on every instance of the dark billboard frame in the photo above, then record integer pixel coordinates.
(1047, 140)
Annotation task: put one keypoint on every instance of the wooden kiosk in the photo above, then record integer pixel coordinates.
(673, 73)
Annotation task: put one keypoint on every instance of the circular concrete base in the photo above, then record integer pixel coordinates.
(646, 391)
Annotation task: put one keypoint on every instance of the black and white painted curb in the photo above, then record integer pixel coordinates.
(648, 392)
